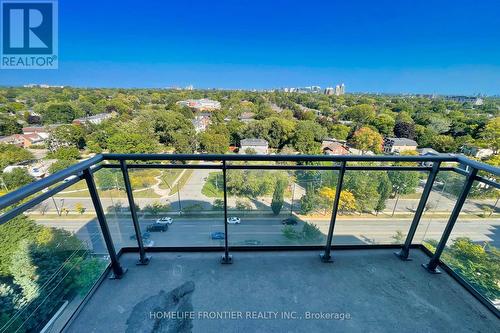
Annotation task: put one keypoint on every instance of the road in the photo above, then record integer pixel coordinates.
(191, 195)
(268, 231)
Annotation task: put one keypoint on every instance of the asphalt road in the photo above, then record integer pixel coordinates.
(268, 231)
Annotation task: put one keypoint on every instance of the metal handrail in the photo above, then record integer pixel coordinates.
(84, 171)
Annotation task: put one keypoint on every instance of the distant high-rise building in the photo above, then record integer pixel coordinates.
(329, 91)
(342, 89)
(337, 90)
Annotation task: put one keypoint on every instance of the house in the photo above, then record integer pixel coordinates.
(23, 140)
(15, 139)
(201, 122)
(247, 117)
(476, 151)
(260, 146)
(398, 145)
(334, 147)
(95, 119)
(32, 139)
(203, 104)
(428, 152)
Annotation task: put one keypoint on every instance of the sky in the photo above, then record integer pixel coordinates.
(398, 46)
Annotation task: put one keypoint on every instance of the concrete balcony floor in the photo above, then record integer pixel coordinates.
(371, 289)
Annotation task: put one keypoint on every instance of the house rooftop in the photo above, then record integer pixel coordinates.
(372, 290)
(402, 141)
(253, 142)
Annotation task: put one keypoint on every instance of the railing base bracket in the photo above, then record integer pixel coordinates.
(113, 276)
(431, 270)
(144, 262)
(327, 259)
(226, 260)
(402, 256)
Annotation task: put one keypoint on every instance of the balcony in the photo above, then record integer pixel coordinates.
(325, 259)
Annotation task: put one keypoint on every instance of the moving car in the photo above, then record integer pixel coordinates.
(157, 227)
(217, 235)
(167, 220)
(289, 221)
(233, 220)
(145, 235)
(252, 242)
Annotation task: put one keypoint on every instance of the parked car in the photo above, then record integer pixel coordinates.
(233, 220)
(289, 221)
(145, 235)
(167, 220)
(252, 242)
(148, 242)
(217, 235)
(157, 227)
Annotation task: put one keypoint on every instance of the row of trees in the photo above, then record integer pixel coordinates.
(147, 118)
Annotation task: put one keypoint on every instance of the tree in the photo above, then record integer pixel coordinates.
(16, 178)
(347, 201)
(308, 136)
(384, 123)
(444, 143)
(403, 182)
(59, 113)
(339, 131)
(129, 143)
(66, 136)
(61, 165)
(11, 154)
(218, 204)
(108, 179)
(403, 129)
(491, 134)
(80, 208)
(183, 144)
(277, 202)
(9, 125)
(364, 187)
(65, 153)
(360, 114)
(366, 139)
(214, 142)
(384, 190)
(167, 125)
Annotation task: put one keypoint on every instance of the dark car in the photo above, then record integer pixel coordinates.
(289, 221)
(217, 235)
(157, 227)
(145, 235)
(252, 242)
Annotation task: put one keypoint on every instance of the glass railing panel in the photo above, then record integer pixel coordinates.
(442, 199)
(378, 206)
(473, 248)
(179, 207)
(50, 257)
(278, 207)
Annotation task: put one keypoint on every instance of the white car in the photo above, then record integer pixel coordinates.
(165, 220)
(233, 220)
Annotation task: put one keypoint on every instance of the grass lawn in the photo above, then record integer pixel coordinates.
(168, 177)
(148, 193)
(210, 189)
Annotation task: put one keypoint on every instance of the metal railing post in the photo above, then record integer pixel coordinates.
(403, 254)
(118, 270)
(226, 259)
(143, 259)
(326, 257)
(434, 262)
